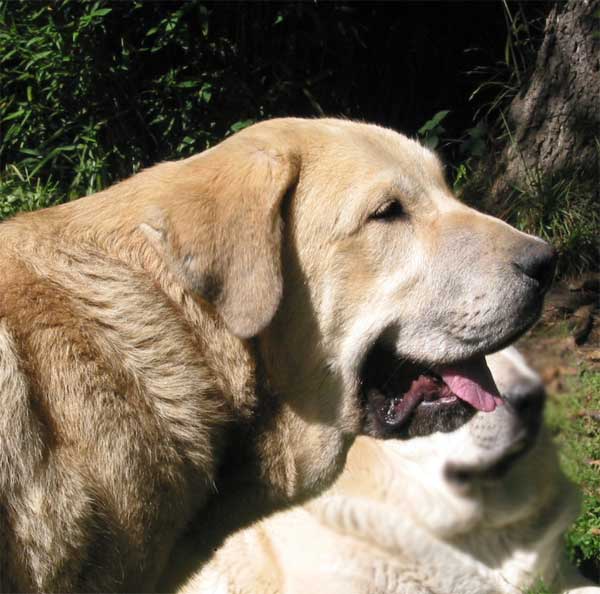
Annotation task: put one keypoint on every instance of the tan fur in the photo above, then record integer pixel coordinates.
(128, 380)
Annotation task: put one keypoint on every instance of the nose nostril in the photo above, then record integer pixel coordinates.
(528, 403)
(545, 271)
(539, 263)
(530, 407)
(526, 391)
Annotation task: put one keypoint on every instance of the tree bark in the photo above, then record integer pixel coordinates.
(554, 121)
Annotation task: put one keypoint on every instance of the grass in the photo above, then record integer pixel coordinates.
(562, 210)
(20, 193)
(539, 588)
(573, 378)
(577, 433)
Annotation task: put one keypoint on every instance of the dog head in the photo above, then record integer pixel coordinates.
(372, 292)
(496, 470)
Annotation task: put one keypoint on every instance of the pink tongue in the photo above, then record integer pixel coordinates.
(473, 383)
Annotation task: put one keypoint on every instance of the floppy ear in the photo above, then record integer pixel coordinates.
(220, 228)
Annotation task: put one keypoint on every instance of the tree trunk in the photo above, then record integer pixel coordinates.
(554, 122)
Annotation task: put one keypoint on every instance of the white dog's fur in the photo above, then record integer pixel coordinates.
(394, 523)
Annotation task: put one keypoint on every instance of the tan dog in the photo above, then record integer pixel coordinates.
(220, 320)
(468, 512)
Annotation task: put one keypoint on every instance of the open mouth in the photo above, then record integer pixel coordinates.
(407, 399)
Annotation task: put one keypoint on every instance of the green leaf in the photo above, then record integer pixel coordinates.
(434, 122)
(101, 12)
(14, 115)
(431, 141)
(205, 92)
(8, 55)
(240, 125)
(32, 152)
(188, 84)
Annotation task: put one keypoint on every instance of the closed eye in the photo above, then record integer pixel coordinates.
(388, 211)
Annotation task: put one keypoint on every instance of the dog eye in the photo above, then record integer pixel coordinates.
(392, 209)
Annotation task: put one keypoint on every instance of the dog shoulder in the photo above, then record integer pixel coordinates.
(114, 408)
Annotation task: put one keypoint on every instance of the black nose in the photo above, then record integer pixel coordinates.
(527, 399)
(537, 261)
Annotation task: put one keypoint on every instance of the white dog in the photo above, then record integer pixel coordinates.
(480, 510)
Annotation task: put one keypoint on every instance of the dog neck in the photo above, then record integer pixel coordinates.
(488, 557)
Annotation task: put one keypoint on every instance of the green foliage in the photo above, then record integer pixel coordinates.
(578, 435)
(237, 126)
(18, 193)
(472, 147)
(432, 130)
(93, 91)
(47, 93)
(539, 588)
(502, 80)
(473, 143)
(563, 209)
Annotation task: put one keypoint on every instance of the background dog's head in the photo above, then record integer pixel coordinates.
(334, 242)
(498, 469)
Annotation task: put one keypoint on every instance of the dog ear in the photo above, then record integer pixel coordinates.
(220, 228)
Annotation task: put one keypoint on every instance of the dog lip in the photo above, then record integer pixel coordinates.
(489, 470)
(531, 318)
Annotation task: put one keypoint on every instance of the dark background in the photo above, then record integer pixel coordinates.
(132, 83)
